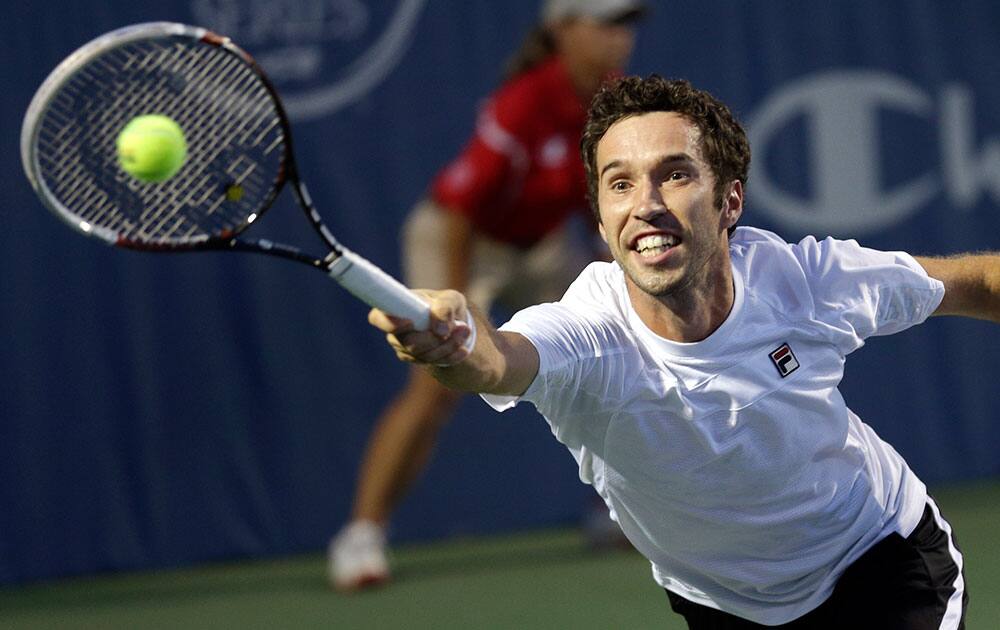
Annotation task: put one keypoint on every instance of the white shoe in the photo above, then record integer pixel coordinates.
(357, 557)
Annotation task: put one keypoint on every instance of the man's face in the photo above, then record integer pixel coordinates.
(656, 197)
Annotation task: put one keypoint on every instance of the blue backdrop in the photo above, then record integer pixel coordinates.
(162, 410)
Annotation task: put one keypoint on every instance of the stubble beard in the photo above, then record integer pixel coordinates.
(675, 285)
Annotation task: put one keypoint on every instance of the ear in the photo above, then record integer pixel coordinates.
(732, 204)
(604, 235)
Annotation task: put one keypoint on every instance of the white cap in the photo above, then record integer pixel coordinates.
(555, 10)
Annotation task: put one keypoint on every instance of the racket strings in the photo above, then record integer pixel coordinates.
(213, 131)
(202, 151)
(234, 131)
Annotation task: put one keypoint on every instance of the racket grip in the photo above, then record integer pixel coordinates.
(370, 284)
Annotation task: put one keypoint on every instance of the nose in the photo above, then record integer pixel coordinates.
(650, 201)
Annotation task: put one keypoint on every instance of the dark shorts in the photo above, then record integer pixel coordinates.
(911, 583)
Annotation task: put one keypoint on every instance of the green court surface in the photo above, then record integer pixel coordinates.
(546, 579)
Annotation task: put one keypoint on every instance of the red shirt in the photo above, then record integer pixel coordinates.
(521, 174)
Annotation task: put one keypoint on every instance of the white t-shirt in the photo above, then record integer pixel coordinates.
(733, 463)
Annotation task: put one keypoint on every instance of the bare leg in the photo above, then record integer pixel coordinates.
(401, 444)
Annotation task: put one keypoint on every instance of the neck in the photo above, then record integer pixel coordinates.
(691, 313)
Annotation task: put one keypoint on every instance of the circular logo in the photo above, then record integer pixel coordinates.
(320, 54)
(842, 138)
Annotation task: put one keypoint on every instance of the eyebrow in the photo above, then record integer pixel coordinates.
(667, 159)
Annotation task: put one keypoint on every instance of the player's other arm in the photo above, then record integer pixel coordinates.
(499, 362)
(971, 284)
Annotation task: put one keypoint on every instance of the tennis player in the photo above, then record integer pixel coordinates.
(497, 225)
(695, 381)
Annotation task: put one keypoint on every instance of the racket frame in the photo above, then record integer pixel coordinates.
(359, 276)
(288, 173)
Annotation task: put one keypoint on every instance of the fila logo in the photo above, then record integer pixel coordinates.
(784, 359)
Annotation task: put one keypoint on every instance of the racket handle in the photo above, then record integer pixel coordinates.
(370, 284)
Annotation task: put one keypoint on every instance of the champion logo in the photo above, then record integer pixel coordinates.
(784, 359)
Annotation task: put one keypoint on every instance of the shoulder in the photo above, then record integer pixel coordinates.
(771, 265)
(590, 318)
(600, 285)
(586, 348)
(848, 287)
(809, 256)
(775, 272)
(597, 295)
(755, 250)
(745, 235)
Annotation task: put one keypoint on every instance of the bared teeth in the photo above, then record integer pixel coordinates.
(655, 244)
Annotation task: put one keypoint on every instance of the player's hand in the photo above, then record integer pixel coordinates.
(443, 344)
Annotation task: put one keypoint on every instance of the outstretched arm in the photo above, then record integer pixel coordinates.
(971, 284)
(498, 363)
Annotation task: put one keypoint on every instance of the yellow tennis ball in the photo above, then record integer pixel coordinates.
(151, 148)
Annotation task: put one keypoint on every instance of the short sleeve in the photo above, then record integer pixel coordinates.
(561, 339)
(863, 292)
(583, 348)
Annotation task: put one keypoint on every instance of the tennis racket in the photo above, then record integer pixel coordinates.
(239, 154)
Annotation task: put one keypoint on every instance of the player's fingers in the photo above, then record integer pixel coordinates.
(399, 346)
(446, 309)
(402, 353)
(425, 346)
(403, 356)
(388, 323)
(443, 352)
(456, 357)
(443, 344)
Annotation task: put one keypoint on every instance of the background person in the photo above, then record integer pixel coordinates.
(695, 381)
(495, 227)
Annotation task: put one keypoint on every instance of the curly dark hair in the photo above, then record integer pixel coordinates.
(723, 141)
